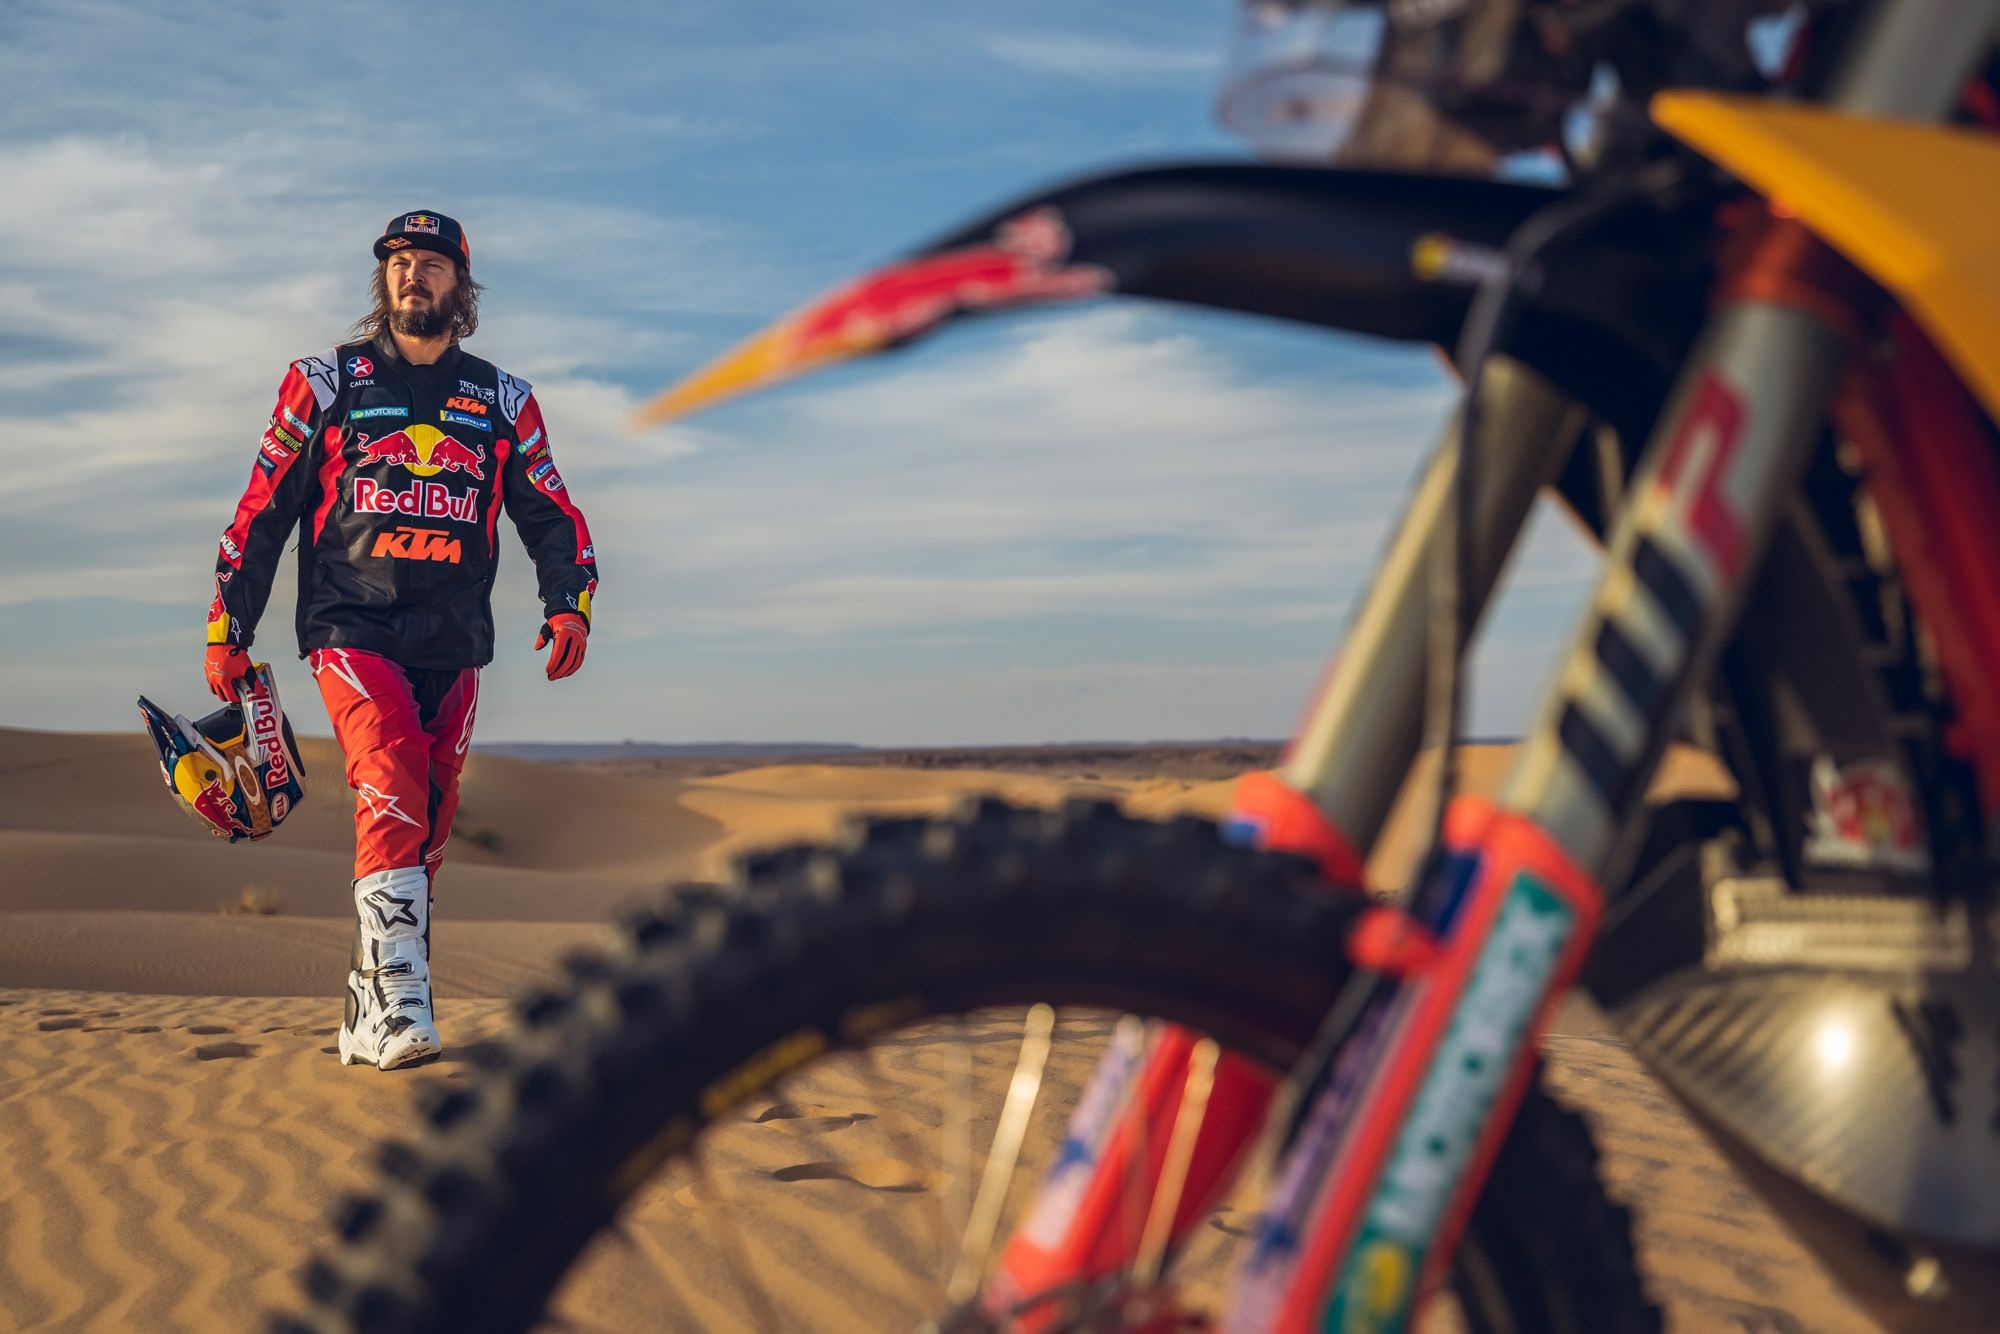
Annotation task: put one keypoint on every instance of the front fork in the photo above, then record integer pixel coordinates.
(1326, 801)
(1514, 901)
(1504, 920)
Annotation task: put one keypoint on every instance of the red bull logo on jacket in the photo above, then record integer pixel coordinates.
(425, 451)
(421, 500)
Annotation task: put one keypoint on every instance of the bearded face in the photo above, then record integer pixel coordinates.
(426, 298)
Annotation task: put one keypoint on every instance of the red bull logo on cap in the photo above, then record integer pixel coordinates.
(425, 451)
(421, 222)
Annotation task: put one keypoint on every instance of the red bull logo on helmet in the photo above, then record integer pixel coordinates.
(210, 789)
(425, 451)
(264, 728)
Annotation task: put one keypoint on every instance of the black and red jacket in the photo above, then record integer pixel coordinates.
(394, 476)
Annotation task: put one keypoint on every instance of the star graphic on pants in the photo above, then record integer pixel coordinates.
(381, 803)
(390, 909)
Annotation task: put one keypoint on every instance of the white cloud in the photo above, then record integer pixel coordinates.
(1101, 523)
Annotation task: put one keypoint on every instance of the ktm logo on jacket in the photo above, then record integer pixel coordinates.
(471, 405)
(417, 544)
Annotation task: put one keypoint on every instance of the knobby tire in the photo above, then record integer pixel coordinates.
(712, 995)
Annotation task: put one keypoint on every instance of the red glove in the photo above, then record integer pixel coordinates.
(226, 667)
(567, 631)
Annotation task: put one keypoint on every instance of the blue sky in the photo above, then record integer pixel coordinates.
(1111, 521)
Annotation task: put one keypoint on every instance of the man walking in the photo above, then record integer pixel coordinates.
(393, 456)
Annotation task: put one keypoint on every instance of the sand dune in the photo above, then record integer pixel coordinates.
(174, 1129)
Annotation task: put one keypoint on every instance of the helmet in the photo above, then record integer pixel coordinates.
(236, 771)
(1455, 85)
(1446, 85)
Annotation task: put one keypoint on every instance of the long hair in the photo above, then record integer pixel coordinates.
(463, 305)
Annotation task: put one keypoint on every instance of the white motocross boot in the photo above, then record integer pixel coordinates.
(388, 1021)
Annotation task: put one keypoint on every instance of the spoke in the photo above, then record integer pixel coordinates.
(1188, 1121)
(1025, 1087)
(1136, 1196)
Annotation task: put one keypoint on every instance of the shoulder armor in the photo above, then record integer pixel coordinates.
(323, 374)
(514, 392)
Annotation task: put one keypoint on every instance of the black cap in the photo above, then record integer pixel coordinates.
(424, 230)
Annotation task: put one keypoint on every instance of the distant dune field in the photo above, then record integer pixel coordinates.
(174, 1127)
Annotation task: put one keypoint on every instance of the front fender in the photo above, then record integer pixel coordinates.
(1380, 253)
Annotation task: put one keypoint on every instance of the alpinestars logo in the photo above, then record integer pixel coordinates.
(514, 392)
(381, 804)
(392, 909)
(325, 380)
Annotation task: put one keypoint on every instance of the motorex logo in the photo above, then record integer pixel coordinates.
(1451, 1109)
(1514, 969)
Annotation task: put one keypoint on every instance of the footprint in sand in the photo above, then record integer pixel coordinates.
(87, 1022)
(208, 1030)
(883, 1174)
(223, 1051)
(695, 1195)
(799, 1118)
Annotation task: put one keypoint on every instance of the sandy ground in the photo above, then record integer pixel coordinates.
(174, 1128)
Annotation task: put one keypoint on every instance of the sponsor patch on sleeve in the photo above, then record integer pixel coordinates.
(514, 393)
(322, 376)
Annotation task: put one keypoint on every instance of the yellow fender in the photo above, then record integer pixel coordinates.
(1916, 207)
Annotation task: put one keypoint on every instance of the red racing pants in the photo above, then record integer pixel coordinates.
(405, 734)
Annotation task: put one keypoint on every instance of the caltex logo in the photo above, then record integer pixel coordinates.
(360, 367)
